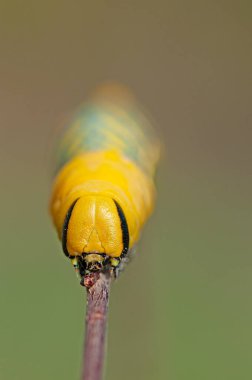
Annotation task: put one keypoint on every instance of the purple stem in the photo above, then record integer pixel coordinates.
(96, 321)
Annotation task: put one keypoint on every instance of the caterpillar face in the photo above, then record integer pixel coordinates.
(95, 233)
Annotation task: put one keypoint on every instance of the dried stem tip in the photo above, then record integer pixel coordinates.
(96, 321)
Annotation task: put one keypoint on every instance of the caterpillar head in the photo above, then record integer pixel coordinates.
(95, 233)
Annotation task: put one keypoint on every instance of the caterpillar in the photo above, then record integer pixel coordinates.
(103, 190)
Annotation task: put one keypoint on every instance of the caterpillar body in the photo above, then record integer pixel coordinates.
(103, 191)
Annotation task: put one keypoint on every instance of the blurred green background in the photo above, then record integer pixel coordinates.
(182, 310)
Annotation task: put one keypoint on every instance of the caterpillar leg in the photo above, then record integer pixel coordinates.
(75, 264)
(115, 265)
(119, 263)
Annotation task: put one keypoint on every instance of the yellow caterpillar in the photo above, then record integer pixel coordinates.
(103, 191)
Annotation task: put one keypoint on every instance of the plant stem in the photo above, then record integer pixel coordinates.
(96, 321)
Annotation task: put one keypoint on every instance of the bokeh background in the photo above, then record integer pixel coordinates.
(183, 309)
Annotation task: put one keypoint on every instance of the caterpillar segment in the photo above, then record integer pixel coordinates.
(103, 190)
